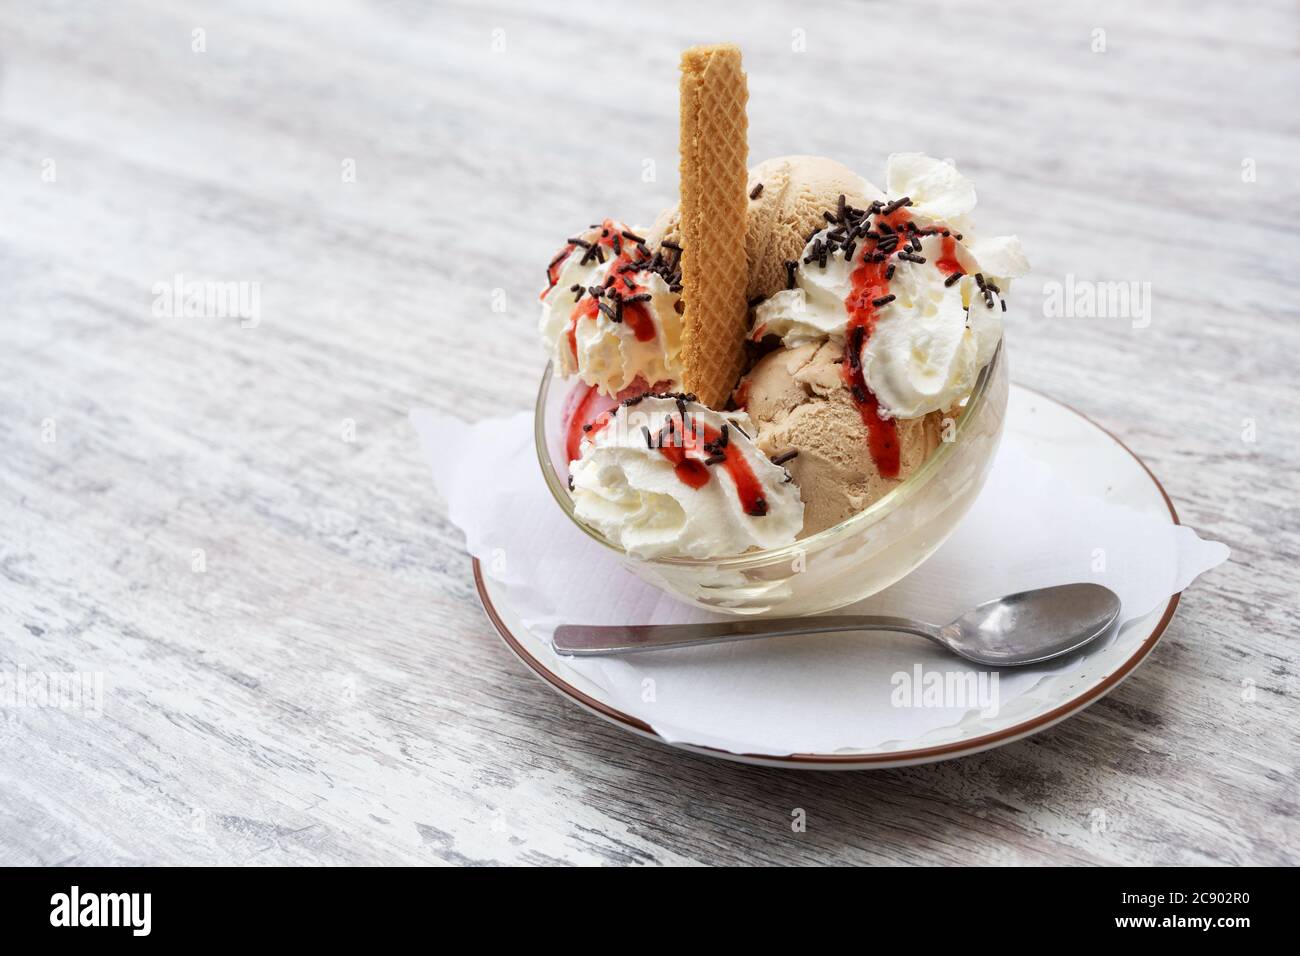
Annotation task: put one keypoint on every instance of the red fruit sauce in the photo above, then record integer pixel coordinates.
(870, 284)
(684, 447)
(584, 414)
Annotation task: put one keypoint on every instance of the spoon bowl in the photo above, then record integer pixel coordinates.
(1032, 626)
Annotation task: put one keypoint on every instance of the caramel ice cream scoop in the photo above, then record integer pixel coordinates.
(797, 400)
(787, 198)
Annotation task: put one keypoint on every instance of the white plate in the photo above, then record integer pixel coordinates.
(1099, 463)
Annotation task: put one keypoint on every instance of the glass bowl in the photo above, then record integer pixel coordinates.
(835, 567)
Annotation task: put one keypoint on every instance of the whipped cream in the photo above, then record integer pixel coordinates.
(928, 344)
(642, 482)
(585, 340)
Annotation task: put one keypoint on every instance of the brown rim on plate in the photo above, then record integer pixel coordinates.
(972, 745)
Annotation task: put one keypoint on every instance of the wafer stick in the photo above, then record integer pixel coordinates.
(714, 201)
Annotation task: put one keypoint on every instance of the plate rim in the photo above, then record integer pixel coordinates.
(861, 760)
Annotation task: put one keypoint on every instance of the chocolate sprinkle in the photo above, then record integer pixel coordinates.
(756, 191)
(883, 300)
(911, 257)
(952, 278)
(785, 456)
(551, 265)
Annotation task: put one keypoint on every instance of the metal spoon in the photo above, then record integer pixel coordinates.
(1022, 628)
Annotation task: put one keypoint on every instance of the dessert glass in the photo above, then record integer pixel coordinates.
(835, 567)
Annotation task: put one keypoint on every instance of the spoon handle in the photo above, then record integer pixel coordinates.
(582, 640)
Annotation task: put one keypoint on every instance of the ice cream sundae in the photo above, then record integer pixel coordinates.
(777, 352)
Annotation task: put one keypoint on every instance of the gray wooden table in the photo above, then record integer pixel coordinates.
(225, 528)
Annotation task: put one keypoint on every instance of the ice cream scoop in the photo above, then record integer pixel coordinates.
(788, 196)
(665, 475)
(610, 311)
(798, 401)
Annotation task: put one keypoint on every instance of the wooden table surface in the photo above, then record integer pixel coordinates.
(230, 524)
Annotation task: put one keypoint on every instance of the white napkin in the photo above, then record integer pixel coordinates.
(1029, 528)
